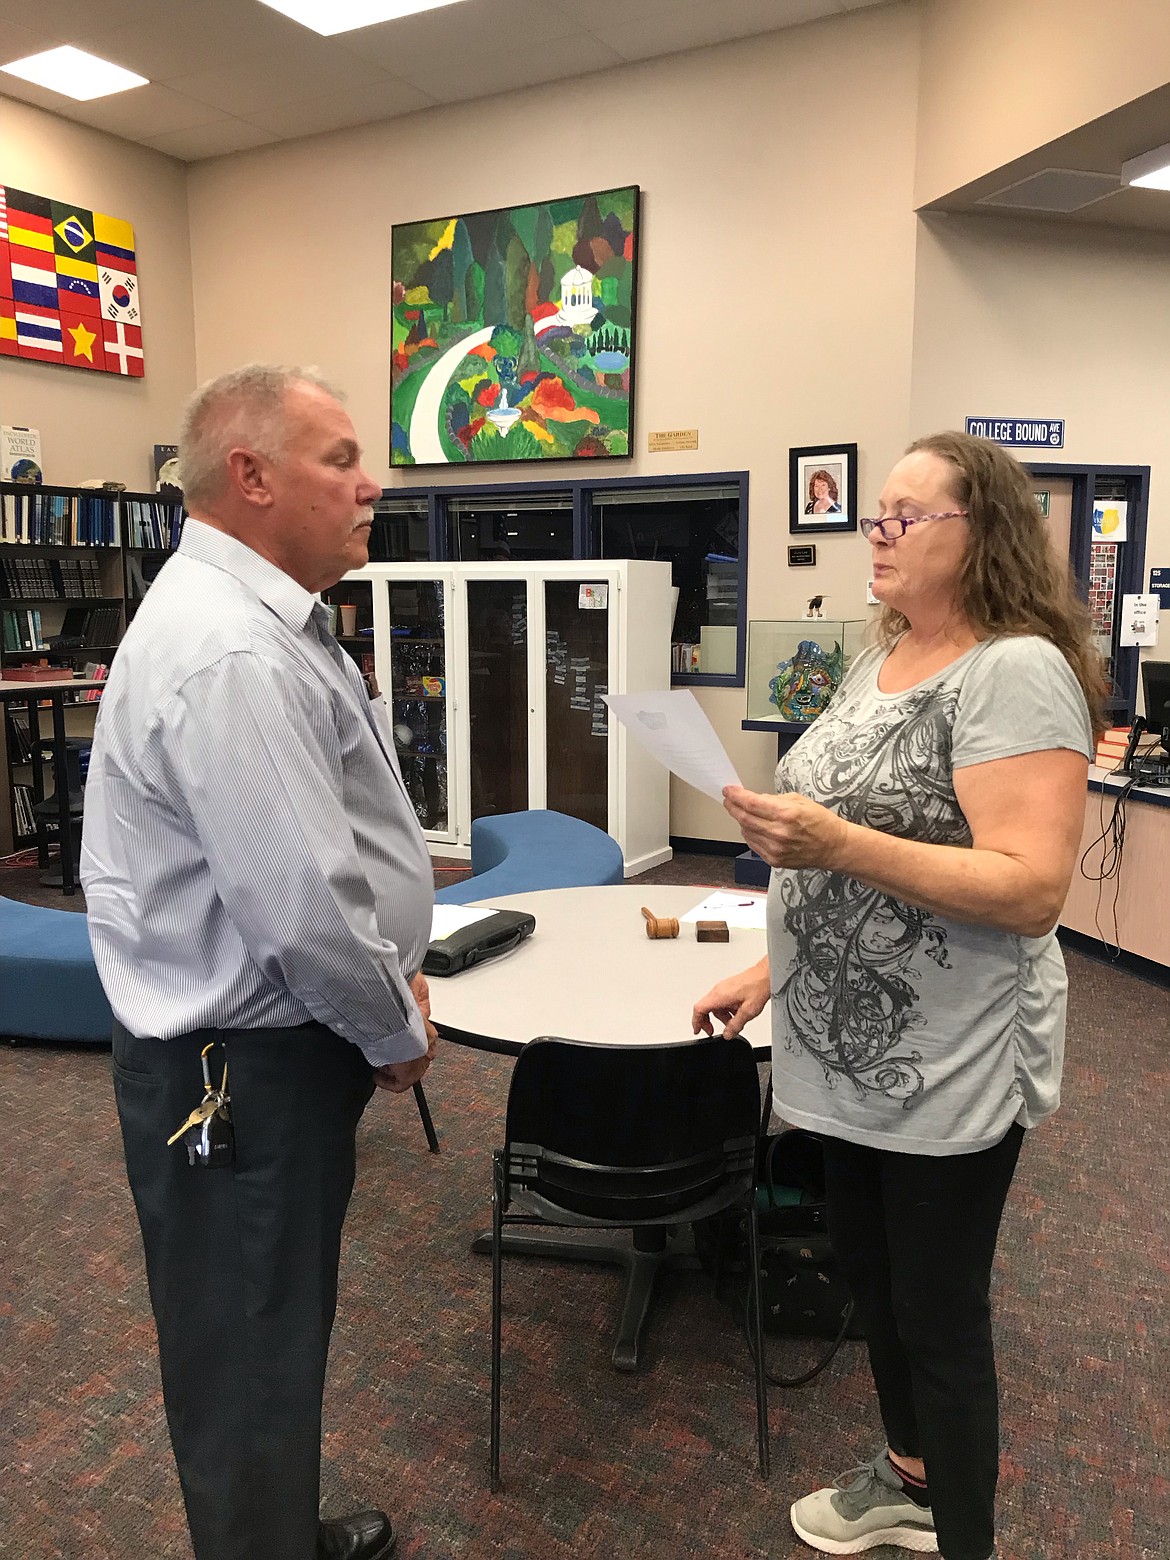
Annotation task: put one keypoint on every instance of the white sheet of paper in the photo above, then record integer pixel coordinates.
(736, 909)
(671, 726)
(446, 919)
(1139, 620)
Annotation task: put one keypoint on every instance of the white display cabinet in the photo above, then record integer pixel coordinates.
(494, 675)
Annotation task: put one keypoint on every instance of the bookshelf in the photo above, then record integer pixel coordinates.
(74, 564)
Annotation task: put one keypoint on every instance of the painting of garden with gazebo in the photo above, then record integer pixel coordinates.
(512, 332)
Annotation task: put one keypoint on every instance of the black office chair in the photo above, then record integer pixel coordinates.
(46, 813)
(637, 1137)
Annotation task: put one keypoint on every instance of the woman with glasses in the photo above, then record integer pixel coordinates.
(923, 839)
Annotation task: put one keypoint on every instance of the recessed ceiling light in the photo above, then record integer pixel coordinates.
(1150, 171)
(337, 16)
(74, 73)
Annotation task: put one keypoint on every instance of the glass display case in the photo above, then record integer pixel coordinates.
(794, 667)
(497, 695)
(496, 674)
(418, 695)
(577, 668)
(351, 608)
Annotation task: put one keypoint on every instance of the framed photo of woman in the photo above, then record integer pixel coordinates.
(822, 488)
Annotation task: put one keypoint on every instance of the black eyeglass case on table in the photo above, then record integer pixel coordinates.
(485, 939)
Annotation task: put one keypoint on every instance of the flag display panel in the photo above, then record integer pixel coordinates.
(68, 286)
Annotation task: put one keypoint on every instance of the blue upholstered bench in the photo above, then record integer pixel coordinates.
(49, 987)
(516, 853)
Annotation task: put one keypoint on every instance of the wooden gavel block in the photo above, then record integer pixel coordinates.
(660, 925)
(712, 931)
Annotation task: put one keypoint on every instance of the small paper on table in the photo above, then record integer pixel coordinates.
(749, 910)
(446, 919)
(672, 727)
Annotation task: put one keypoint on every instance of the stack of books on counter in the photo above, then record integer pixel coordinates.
(1112, 745)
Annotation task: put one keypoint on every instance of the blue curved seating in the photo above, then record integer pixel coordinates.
(517, 853)
(49, 986)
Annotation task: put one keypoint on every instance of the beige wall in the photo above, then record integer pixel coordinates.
(1032, 321)
(1002, 77)
(102, 425)
(776, 290)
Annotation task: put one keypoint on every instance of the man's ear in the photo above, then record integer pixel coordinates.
(248, 474)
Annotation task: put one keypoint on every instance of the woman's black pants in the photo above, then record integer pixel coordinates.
(915, 1237)
(242, 1266)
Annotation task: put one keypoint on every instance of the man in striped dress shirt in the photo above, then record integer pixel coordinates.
(255, 877)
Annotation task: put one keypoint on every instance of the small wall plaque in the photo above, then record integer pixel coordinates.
(802, 557)
(674, 439)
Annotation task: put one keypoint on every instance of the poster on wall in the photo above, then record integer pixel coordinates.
(513, 332)
(68, 286)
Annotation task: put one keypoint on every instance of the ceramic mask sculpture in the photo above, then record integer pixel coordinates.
(803, 685)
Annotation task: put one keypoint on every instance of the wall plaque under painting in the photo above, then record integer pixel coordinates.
(512, 332)
(68, 286)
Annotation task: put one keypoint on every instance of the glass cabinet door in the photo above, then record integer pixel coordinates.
(576, 716)
(352, 604)
(497, 694)
(418, 695)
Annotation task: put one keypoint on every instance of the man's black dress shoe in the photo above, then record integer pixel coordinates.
(366, 1536)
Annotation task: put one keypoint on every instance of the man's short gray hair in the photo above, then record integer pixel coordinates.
(245, 408)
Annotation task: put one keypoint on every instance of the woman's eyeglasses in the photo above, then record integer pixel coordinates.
(897, 523)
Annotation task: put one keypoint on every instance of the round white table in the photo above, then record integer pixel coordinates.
(589, 972)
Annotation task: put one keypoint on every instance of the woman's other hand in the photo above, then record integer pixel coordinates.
(734, 1002)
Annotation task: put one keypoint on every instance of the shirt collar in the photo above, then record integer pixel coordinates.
(291, 602)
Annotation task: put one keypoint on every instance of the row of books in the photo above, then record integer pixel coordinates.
(82, 628)
(28, 578)
(59, 519)
(19, 744)
(98, 627)
(152, 523)
(20, 629)
(684, 657)
(22, 812)
(95, 671)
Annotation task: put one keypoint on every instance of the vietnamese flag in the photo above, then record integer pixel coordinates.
(81, 340)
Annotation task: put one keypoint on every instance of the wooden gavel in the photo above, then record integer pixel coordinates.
(660, 925)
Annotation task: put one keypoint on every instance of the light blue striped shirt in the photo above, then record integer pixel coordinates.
(250, 857)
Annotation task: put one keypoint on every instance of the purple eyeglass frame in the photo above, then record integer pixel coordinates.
(868, 527)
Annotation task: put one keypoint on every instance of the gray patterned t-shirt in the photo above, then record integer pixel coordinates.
(893, 1026)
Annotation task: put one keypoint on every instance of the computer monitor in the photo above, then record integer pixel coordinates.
(1156, 689)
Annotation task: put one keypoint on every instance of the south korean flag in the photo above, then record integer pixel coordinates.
(118, 291)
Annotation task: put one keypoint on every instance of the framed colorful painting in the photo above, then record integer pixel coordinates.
(822, 481)
(513, 333)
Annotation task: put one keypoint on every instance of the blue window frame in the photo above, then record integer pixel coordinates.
(698, 524)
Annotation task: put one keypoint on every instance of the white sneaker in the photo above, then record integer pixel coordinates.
(865, 1507)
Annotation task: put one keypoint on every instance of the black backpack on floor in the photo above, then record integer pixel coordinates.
(802, 1292)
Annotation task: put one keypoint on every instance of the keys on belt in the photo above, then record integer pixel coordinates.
(207, 1132)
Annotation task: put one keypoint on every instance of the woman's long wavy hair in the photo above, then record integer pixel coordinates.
(1013, 581)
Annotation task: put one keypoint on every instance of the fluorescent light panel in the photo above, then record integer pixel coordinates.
(337, 16)
(74, 73)
(1150, 171)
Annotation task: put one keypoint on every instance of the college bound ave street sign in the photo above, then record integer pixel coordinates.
(1047, 431)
